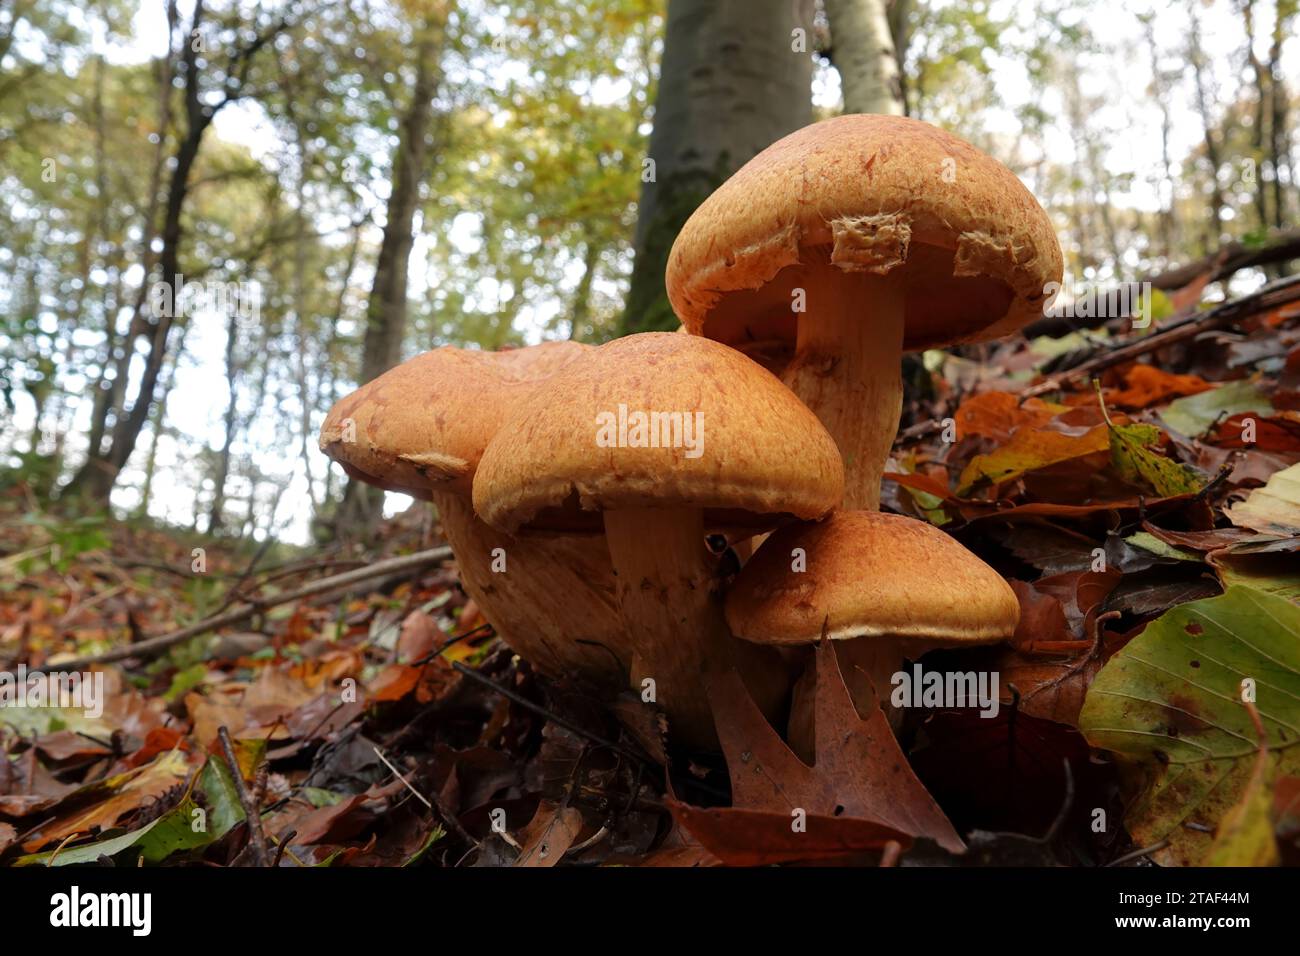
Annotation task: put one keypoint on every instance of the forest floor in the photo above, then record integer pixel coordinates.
(1132, 485)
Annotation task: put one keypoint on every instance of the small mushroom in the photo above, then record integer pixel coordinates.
(662, 438)
(420, 428)
(849, 242)
(890, 588)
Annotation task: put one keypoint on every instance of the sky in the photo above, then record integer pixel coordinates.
(198, 398)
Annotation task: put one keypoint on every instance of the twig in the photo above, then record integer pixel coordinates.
(282, 846)
(253, 813)
(541, 711)
(1138, 854)
(433, 804)
(1276, 293)
(154, 646)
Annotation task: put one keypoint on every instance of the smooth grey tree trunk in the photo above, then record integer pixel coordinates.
(862, 49)
(735, 78)
(386, 315)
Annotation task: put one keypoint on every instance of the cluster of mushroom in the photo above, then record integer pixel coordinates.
(598, 472)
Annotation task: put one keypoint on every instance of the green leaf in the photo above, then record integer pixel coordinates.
(1149, 542)
(1169, 706)
(184, 681)
(225, 811)
(1193, 415)
(1133, 452)
(1245, 837)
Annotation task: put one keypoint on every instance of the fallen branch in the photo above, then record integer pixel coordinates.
(154, 646)
(1270, 296)
(1219, 265)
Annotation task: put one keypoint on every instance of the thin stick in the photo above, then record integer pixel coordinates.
(1277, 293)
(253, 813)
(435, 804)
(527, 704)
(157, 645)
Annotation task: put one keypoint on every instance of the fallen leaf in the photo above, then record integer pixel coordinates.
(1195, 414)
(1147, 385)
(1245, 834)
(860, 771)
(742, 837)
(549, 835)
(1136, 458)
(1168, 705)
(1028, 450)
(998, 415)
(1273, 509)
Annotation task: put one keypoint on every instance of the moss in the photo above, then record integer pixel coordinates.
(680, 194)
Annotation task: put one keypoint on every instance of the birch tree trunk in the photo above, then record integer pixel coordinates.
(862, 49)
(736, 76)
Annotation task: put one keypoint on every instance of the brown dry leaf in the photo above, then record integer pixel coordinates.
(997, 415)
(1278, 433)
(394, 682)
(1031, 449)
(273, 695)
(741, 837)
(1273, 509)
(129, 791)
(210, 714)
(860, 771)
(65, 745)
(419, 637)
(1053, 659)
(549, 835)
(7, 836)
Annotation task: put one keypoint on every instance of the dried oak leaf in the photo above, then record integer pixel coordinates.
(860, 773)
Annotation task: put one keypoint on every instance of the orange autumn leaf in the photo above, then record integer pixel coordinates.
(1147, 385)
(1029, 450)
(997, 415)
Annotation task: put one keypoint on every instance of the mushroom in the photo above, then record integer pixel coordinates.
(420, 428)
(661, 438)
(848, 242)
(889, 587)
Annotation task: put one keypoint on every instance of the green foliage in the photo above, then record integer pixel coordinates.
(1170, 705)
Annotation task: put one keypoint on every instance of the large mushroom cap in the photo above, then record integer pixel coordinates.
(869, 574)
(422, 426)
(760, 453)
(865, 193)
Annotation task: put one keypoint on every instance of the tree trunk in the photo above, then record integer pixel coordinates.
(97, 476)
(1197, 57)
(1160, 93)
(1257, 129)
(386, 315)
(215, 512)
(580, 310)
(731, 83)
(1279, 138)
(862, 49)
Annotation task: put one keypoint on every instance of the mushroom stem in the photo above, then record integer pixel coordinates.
(667, 592)
(847, 368)
(550, 599)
